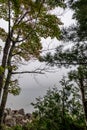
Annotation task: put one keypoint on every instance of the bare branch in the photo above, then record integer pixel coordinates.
(26, 72)
(36, 71)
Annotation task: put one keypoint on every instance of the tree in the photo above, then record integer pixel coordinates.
(71, 104)
(80, 11)
(79, 76)
(48, 110)
(75, 33)
(27, 21)
(77, 54)
(59, 109)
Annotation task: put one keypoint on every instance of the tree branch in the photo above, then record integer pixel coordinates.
(26, 72)
(67, 63)
(33, 26)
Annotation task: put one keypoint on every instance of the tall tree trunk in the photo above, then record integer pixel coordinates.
(83, 99)
(4, 97)
(4, 62)
(5, 91)
(6, 49)
(63, 108)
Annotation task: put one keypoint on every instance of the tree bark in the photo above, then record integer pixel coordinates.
(5, 91)
(4, 62)
(83, 99)
(4, 98)
(6, 49)
(63, 108)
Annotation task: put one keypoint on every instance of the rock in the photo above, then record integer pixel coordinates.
(18, 117)
(14, 117)
(14, 112)
(21, 111)
(10, 121)
(28, 115)
(25, 121)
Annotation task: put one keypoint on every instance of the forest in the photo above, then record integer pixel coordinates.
(27, 22)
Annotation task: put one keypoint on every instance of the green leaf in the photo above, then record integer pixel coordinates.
(1, 69)
(14, 87)
(3, 34)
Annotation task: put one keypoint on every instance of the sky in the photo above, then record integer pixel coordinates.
(33, 85)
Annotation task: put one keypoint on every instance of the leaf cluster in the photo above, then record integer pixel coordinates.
(68, 57)
(59, 108)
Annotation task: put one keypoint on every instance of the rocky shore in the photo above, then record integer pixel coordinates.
(16, 117)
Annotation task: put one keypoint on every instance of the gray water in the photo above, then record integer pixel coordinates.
(32, 87)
